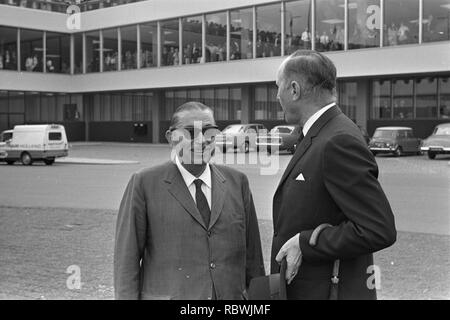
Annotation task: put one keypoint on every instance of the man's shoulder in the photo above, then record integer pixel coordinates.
(155, 171)
(227, 172)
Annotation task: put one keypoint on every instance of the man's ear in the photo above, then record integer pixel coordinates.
(295, 90)
(169, 137)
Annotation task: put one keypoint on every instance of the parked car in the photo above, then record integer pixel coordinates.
(29, 143)
(282, 137)
(395, 140)
(240, 136)
(438, 142)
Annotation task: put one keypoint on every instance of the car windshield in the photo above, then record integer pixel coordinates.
(388, 134)
(281, 130)
(442, 131)
(233, 129)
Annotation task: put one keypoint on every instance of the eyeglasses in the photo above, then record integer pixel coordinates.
(189, 132)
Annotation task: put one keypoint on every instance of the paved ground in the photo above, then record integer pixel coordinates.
(54, 217)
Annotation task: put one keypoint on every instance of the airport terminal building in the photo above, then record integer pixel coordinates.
(115, 70)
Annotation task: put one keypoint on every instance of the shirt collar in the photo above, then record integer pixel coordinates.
(189, 177)
(308, 124)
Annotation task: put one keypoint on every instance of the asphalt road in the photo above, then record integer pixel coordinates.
(418, 188)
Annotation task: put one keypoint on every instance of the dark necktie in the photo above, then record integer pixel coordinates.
(202, 203)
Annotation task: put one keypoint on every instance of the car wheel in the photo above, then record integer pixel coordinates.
(26, 159)
(246, 147)
(10, 162)
(431, 155)
(49, 162)
(398, 152)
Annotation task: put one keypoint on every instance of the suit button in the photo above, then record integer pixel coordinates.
(275, 234)
(209, 233)
(212, 265)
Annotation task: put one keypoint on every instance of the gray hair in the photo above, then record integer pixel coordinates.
(187, 107)
(314, 71)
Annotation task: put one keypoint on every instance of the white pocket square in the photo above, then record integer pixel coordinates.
(300, 177)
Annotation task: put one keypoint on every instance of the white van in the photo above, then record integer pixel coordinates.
(29, 143)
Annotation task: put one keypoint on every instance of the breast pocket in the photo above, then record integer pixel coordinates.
(299, 189)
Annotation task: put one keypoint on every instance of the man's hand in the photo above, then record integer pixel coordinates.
(291, 250)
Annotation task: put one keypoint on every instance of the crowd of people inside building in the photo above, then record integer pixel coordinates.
(8, 60)
(61, 5)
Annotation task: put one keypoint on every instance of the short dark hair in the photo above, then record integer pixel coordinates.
(315, 72)
(186, 107)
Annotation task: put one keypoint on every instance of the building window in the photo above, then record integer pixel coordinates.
(57, 53)
(364, 23)
(170, 41)
(381, 99)
(78, 50)
(128, 36)
(216, 36)
(330, 29)
(110, 50)
(235, 103)
(192, 41)
(48, 107)
(221, 100)
(241, 34)
(8, 48)
(401, 19)
(149, 41)
(32, 107)
(436, 20)
(31, 50)
(444, 98)
(297, 22)
(347, 99)
(426, 97)
(93, 51)
(268, 31)
(403, 98)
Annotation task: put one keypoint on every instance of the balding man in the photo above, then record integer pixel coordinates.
(187, 229)
(329, 211)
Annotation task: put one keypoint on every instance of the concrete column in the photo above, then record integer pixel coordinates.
(246, 103)
(362, 102)
(156, 105)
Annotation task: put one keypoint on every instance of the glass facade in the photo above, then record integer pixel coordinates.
(330, 26)
(347, 98)
(149, 40)
(444, 97)
(297, 20)
(128, 37)
(57, 53)
(216, 36)
(364, 17)
(402, 92)
(61, 5)
(192, 42)
(31, 50)
(225, 101)
(364, 23)
(241, 34)
(426, 97)
(436, 20)
(268, 31)
(381, 99)
(92, 51)
(110, 50)
(8, 48)
(401, 19)
(170, 43)
(266, 105)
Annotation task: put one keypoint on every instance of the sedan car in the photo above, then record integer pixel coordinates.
(438, 142)
(280, 138)
(240, 136)
(395, 140)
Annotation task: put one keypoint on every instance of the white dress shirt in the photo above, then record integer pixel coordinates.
(189, 179)
(308, 124)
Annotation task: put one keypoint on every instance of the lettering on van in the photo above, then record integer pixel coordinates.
(26, 146)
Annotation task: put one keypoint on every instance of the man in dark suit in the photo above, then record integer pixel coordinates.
(331, 179)
(187, 229)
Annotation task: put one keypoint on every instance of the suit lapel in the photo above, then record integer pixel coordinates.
(218, 194)
(177, 187)
(307, 141)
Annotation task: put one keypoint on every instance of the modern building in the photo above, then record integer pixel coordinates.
(117, 70)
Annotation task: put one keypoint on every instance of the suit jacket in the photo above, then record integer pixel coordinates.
(340, 187)
(164, 250)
